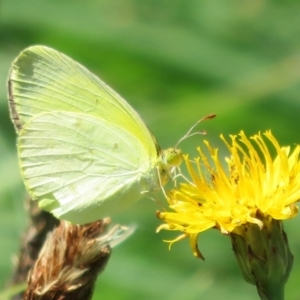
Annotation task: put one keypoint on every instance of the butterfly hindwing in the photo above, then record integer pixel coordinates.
(82, 167)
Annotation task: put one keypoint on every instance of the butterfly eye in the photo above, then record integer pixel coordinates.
(173, 157)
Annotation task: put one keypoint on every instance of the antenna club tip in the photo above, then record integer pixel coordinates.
(211, 116)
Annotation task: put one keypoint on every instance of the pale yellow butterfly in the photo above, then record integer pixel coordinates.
(84, 152)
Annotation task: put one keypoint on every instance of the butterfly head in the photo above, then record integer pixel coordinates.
(170, 160)
(172, 157)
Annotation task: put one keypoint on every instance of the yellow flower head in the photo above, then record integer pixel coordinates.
(254, 185)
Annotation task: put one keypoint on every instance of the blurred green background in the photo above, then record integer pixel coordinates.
(175, 61)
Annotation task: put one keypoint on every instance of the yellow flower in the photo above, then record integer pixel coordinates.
(254, 187)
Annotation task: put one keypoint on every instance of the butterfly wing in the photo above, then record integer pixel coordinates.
(45, 89)
(82, 168)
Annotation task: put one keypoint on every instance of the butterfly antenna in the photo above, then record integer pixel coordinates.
(189, 133)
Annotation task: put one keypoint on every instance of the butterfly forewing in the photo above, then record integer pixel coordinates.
(44, 80)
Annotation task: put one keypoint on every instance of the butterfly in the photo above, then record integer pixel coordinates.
(84, 152)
